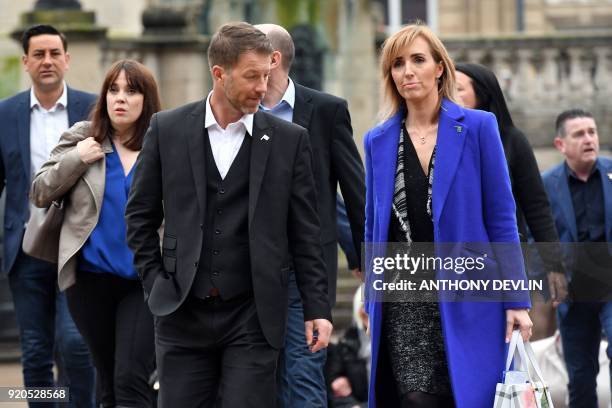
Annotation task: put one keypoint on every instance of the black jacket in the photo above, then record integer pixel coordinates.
(532, 205)
(336, 162)
(169, 184)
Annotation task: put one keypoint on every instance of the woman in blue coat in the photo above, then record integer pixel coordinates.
(436, 172)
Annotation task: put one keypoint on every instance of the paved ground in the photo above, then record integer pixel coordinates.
(10, 376)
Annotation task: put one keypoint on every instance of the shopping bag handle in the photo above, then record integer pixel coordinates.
(526, 350)
(520, 361)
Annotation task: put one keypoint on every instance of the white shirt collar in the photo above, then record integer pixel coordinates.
(289, 95)
(62, 101)
(246, 120)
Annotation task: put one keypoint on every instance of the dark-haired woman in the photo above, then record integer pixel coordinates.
(478, 88)
(91, 171)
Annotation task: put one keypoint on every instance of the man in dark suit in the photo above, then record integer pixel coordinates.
(580, 192)
(32, 123)
(235, 189)
(336, 161)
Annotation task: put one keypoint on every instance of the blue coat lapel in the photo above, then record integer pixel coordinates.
(451, 139)
(606, 179)
(565, 203)
(384, 160)
(76, 107)
(23, 131)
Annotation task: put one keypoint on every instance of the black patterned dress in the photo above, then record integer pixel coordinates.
(412, 330)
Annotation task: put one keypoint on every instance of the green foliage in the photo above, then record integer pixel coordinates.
(10, 70)
(292, 12)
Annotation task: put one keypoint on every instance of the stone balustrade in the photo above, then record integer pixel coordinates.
(543, 75)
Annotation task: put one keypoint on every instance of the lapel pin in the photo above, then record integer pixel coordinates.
(265, 137)
(609, 176)
(458, 129)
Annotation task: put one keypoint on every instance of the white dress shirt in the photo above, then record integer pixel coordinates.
(46, 128)
(225, 143)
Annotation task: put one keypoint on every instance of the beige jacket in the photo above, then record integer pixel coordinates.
(82, 187)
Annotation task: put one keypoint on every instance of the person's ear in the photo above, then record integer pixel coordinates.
(440, 71)
(217, 73)
(559, 144)
(276, 60)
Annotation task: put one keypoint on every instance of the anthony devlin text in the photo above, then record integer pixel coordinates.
(502, 285)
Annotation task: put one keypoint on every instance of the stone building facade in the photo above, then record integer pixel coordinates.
(548, 54)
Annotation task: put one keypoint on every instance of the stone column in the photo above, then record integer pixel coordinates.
(499, 66)
(549, 77)
(602, 71)
(172, 49)
(84, 39)
(476, 55)
(522, 87)
(358, 76)
(579, 80)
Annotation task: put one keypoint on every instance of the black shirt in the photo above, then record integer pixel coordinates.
(588, 201)
(592, 279)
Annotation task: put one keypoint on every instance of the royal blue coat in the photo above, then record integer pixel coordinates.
(471, 202)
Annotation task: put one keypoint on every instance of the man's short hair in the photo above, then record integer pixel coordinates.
(41, 29)
(567, 115)
(281, 40)
(234, 39)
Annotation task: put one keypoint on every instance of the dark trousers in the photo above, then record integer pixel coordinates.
(45, 326)
(581, 326)
(301, 373)
(117, 325)
(213, 353)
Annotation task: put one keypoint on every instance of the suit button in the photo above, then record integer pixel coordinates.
(201, 226)
(215, 252)
(219, 211)
(217, 231)
(195, 264)
(215, 273)
(221, 191)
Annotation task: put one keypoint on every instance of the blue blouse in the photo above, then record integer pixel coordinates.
(106, 250)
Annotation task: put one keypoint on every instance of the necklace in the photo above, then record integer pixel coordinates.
(421, 133)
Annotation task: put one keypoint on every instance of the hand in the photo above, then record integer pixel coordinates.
(323, 328)
(89, 150)
(357, 274)
(518, 319)
(341, 387)
(557, 284)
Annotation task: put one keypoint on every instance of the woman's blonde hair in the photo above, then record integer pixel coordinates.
(392, 101)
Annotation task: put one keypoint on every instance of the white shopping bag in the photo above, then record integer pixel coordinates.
(524, 386)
